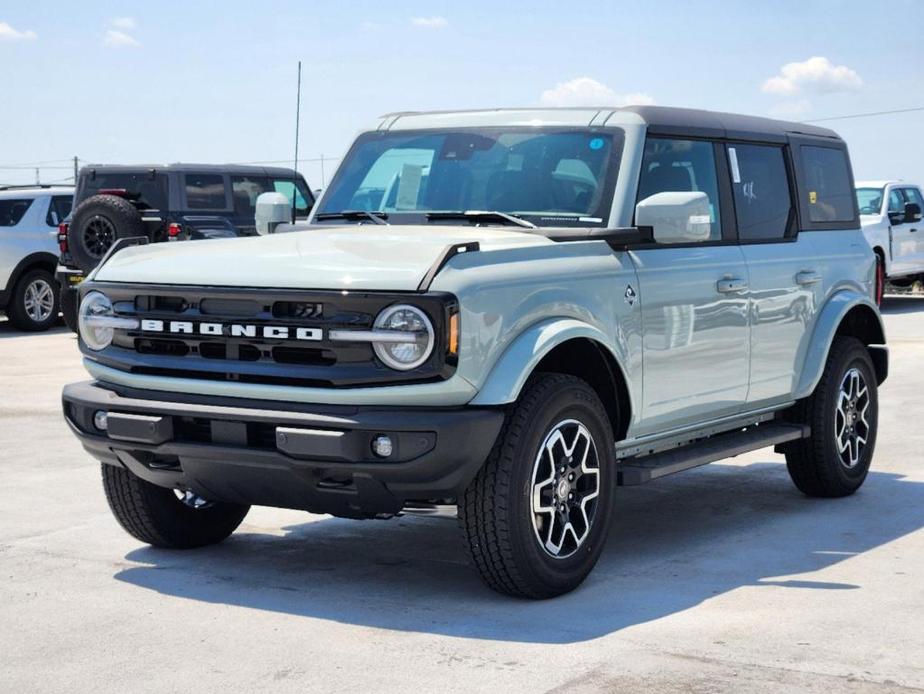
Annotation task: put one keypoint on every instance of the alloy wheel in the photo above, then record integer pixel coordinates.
(851, 426)
(98, 236)
(39, 300)
(565, 488)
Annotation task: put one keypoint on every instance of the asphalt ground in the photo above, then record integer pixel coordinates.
(724, 578)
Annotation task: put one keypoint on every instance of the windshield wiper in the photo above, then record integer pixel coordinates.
(485, 215)
(354, 215)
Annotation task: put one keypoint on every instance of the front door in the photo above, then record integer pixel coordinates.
(902, 240)
(693, 301)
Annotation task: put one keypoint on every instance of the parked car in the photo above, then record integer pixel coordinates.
(890, 214)
(164, 203)
(500, 314)
(29, 217)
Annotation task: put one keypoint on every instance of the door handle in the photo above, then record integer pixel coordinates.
(731, 285)
(913, 230)
(807, 277)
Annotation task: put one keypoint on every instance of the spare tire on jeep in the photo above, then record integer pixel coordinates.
(96, 224)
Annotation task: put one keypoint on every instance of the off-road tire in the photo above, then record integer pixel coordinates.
(814, 463)
(17, 311)
(156, 516)
(69, 298)
(118, 216)
(495, 512)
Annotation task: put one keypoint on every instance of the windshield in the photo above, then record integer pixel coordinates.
(550, 177)
(869, 200)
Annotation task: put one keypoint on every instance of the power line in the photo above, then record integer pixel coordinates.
(866, 115)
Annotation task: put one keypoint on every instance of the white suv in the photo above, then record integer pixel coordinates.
(29, 218)
(890, 214)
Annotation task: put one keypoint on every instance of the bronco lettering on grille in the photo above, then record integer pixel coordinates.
(269, 332)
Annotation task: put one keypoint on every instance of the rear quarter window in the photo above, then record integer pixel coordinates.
(148, 190)
(12, 211)
(205, 191)
(827, 184)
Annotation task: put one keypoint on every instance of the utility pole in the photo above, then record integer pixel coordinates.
(37, 178)
(322, 171)
(75, 171)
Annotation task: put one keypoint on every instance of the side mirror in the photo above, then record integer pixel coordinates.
(272, 210)
(676, 217)
(912, 212)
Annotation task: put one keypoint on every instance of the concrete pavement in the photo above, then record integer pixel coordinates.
(720, 579)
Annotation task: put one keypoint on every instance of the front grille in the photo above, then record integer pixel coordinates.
(274, 337)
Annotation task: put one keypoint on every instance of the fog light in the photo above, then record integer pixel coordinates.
(101, 420)
(382, 446)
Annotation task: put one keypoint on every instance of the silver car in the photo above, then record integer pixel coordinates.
(29, 219)
(501, 315)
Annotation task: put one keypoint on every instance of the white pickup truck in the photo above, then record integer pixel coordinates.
(890, 214)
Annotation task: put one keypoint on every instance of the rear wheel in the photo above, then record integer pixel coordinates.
(34, 304)
(166, 517)
(843, 414)
(536, 516)
(880, 279)
(69, 296)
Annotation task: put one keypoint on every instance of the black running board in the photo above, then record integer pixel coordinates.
(640, 470)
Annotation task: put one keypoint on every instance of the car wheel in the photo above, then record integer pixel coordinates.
(69, 300)
(165, 517)
(843, 414)
(536, 516)
(880, 280)
(95, 226)
(34, 304)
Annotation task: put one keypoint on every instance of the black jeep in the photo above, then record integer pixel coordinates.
(163, 203)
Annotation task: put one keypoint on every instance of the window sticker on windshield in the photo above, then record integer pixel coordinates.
(813, 197)
(409, 187)
(733, 162)
(596, 143)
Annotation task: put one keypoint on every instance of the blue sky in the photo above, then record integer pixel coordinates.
(128, 82)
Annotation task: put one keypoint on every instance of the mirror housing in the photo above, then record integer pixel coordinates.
(272, 210)
(675, 217)
(912, 212)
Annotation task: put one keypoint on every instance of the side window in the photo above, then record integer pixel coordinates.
(896, 201)
(59, 208)
(684, 166)
(914, 195)
(287, 188)
(205, 191)
(827, 181)
(11, 211)
(763, 204)
(245, 190)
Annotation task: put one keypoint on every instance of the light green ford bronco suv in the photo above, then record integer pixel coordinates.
(503, 314)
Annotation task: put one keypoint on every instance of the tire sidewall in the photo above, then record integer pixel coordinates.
(122, 215)
(578, 402)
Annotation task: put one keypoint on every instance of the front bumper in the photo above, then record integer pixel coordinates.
(315, 458)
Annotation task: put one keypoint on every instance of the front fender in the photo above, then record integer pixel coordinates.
(509, 374)
(826, 326)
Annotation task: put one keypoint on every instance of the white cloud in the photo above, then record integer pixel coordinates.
(118, 39)
(8, 33)
(430, 22)
(585, 91)
(817, 74)
(123, 22)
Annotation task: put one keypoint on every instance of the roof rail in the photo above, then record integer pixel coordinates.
(28, 186)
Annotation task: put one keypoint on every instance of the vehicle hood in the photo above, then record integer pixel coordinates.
(326, 257)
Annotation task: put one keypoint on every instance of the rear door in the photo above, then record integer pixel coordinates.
(693, 298)
(785, 279)
(902, 240)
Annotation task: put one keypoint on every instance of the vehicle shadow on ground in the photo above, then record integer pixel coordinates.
(7, 330)
(895, 304)
(675, 544)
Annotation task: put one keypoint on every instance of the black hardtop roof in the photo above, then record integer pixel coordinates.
(242, 169)
(668, 119)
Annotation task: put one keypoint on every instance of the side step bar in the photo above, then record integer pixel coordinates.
(641, 470)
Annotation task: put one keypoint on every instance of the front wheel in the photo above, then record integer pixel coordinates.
(537, 514)
(843, 413)
(166, 517)
(34, 304)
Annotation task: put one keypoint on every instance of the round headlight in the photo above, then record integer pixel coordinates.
(95, 335)
(404, 354)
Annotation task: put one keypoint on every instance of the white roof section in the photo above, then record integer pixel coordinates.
(505, 117)
(7, 192)
(878, 184)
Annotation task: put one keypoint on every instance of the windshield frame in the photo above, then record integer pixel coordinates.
(615, 135)
(882, 199)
